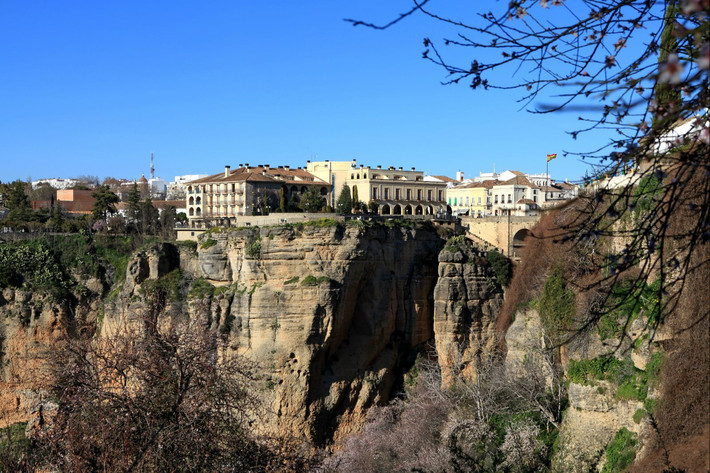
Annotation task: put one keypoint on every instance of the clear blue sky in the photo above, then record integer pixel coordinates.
(92, 87)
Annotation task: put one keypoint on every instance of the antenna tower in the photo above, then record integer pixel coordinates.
(152, 168)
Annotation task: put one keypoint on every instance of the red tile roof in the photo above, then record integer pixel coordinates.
(445, 178)
(263, 174)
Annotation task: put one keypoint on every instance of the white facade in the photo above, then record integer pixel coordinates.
(57, 183)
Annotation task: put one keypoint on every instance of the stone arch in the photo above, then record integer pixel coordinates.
(397, 210)
(192, 212)
(418, 210)
(294, 190)
(519, 241)
(323, 191)
(303, 189)
(198, 211)
(189, 189)
(429, 210)
(192, 201)
(408, 210)
(385, 209)
(198, 200)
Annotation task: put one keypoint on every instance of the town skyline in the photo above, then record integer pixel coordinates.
(94, 89)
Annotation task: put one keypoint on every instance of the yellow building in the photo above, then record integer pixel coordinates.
(394, 190)
(473, 198)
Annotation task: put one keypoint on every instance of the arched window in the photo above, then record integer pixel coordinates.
(192, 212)
(191, 201)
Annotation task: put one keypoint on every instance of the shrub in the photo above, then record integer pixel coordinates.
(253, 249)
(311, 280)
(620, 452)
(556, 306)
(502, 267)
(200, 289)
(208, 243)
(292, 280)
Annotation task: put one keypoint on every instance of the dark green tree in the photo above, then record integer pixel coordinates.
(18, 203)
(134, 204)
(168, 217)
(56, 221)
(312, 201)
(105, 203)
(356, 198)
(345, 201)
(150, 218)
(282, 200)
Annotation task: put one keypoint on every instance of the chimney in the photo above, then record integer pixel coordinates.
(240, 164)
(327, 161)
(379, 167)
(226, 171)
(246, 165)
(459, 176)
(287, 167)
(266, 166)
(308, 162)
(400, 168)
(412, 168)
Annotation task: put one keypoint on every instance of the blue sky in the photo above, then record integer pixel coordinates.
(91, 87)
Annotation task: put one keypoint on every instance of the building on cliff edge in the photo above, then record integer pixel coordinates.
(247, 190)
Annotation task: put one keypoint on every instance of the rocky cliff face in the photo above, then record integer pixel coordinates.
(466, 302)
(330, 314)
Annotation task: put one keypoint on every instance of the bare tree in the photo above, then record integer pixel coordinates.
(636, 69)
(150, 398)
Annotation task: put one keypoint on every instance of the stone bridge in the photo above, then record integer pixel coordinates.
(507, 233)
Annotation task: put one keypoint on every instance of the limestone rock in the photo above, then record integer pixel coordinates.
(466, 302)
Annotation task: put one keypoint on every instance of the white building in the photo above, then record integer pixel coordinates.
(57, 183)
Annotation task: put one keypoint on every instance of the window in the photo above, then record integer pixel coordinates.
(396, 194)
(455, 204)
(428, 195)
(510, 199)
(496, 199)
(441, 196)
(466, 201)
(374, 192)
(479, 201)
(387, 193)
(534, 198)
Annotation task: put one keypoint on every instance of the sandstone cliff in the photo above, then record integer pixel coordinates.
(466, 301)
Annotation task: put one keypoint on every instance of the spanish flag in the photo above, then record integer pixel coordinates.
(550, 157)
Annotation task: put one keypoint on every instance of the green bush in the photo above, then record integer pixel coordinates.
(556, 306)
(292, 280)
(200, 289)
(170, 285)
(208, 243)
(502, 267)
(620, 452)
(455, 243)
(314, 281)
(253, 249)
(629, 300)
